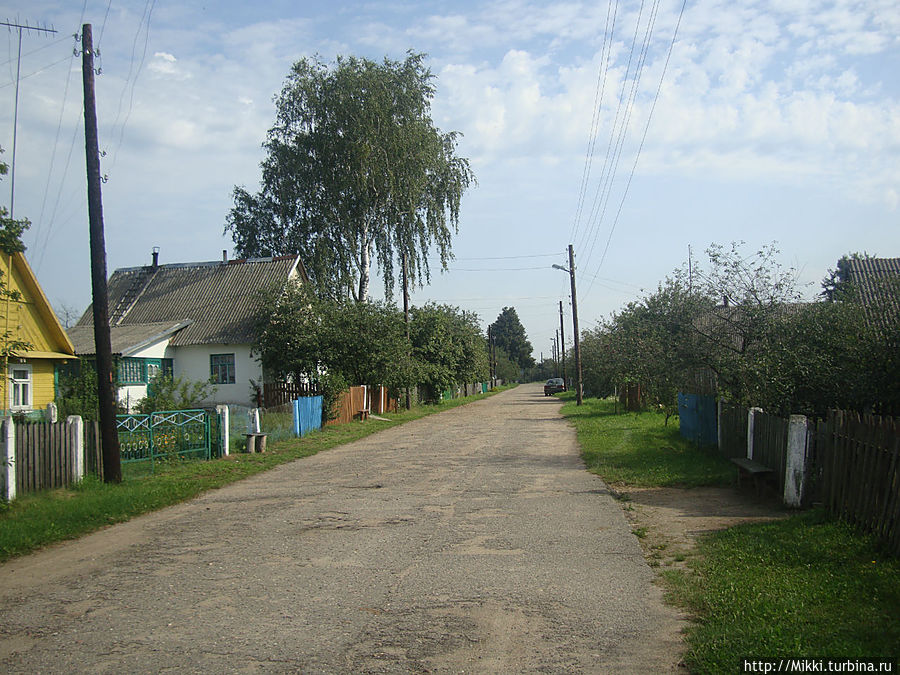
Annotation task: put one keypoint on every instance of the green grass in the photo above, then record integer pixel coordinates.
(640, 450)
(36, 520)
(805, 586)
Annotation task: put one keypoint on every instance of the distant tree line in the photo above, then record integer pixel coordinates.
(737, 325)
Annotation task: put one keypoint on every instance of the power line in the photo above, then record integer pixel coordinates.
(643, 137)
(513, 257)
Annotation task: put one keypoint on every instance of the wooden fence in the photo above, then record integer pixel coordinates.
(770, 436)
(281, 393)
(732, 429)
(860, 472)
(45, 456)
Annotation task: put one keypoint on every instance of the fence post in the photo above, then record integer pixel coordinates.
(751, 423)
(224, 427)
(8, 458)
(75, 433)
(795, 462)
(253, 421)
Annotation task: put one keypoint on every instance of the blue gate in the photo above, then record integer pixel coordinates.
(697, 418)
(307, 414)
(170, 434)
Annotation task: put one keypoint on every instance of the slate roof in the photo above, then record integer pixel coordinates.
(877, 280)
(219, 299)
(126, 339)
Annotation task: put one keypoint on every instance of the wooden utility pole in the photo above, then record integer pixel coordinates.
(562, 344)
(109, 437)
(556, 351)
(579, 395)
(406, 317)
(491, 370)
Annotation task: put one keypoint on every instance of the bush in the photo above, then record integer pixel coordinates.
(167, 393)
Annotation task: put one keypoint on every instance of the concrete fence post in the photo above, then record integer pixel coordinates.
(224, 427)
(795, 462)
(8, 458)
(75, 432)
(253, 421)
(751, 423)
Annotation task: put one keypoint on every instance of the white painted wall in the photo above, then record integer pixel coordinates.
(130, 394)
(192, 363)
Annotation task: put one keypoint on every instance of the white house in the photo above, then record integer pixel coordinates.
(192, 320)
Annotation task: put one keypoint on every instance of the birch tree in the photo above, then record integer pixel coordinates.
(356, 173)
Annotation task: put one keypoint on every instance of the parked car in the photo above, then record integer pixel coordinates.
(554, 386)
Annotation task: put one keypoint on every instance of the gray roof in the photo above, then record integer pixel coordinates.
(219, 299)
(877, 280)
(126, 339)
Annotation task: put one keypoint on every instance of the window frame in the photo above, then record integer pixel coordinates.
(16, 383)
(222, 368)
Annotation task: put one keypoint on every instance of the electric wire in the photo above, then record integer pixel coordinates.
(40, 219)
(46, 45)
(643, 138)
(148, 11)
(626, 120)
(602, 73)
(616, 140)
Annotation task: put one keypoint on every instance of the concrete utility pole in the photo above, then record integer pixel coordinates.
(562, 344)
(109, 437)
(579, 394)
(12, 171)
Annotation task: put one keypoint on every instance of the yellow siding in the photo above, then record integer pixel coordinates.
(43, 383)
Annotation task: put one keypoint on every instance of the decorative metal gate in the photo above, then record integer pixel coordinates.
(173, 434)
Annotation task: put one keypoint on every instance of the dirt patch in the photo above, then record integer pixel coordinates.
(668, 521)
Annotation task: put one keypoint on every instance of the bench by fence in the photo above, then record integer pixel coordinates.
(758, 472)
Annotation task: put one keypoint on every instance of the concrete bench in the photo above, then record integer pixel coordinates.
(758, 472)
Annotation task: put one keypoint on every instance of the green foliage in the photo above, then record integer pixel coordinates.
(836, 285)
(355, 170)
(77, 393)
(448, 347)
(737, 327)
(806, 586)
(167, 393)
(639, 449)
(508, 333)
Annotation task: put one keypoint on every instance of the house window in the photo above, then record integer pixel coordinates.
(221, 368)
(134, 370)
(20, 388)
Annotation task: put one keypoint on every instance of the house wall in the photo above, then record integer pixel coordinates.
(130, 394)
(192, 363)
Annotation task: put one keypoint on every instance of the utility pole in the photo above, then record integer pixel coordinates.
(562, 338)
(490, 345)
(112, 467)
(579, 394)
(406, 316)
(556, 351)
(12, 172)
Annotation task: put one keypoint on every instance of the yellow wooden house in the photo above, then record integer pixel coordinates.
(28, 381)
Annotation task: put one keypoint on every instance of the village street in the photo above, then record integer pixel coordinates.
(469, 541)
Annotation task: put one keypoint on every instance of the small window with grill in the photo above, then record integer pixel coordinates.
(221, 368)
(131, 371)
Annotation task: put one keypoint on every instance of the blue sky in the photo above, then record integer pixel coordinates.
(771, 121)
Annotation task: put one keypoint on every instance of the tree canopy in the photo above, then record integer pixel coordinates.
(355, 171)
(508, 333)
(737, 327)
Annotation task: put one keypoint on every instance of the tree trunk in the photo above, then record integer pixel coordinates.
(364, 264)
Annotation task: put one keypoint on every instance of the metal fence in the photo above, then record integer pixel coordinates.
(173, 434)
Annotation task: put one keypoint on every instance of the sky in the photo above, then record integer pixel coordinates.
(633, 132)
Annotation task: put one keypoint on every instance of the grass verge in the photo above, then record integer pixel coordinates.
(803, 587)
(806, 586)
(639, 449)
(43, 518)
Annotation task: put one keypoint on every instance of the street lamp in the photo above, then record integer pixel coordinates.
(571, 270)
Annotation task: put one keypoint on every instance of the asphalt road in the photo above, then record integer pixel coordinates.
(469, 541)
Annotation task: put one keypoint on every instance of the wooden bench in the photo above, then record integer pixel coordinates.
(363, 415)
(759, 472)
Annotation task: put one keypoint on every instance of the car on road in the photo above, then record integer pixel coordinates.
(554, 385)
